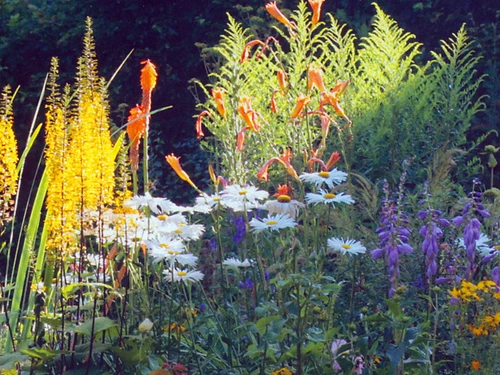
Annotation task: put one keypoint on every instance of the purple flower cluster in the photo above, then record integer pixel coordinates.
(473, 209)
(394, 236)
(431, 232)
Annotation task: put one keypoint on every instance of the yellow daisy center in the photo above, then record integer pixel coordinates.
(165, 245)
(284, 198)
(171, 252)
(162, 217)
(271, 222)
(181, 273)
(217, 199)
(242, 192)
(178, 231)
(346, 246)
(324, 174)
(329, 196)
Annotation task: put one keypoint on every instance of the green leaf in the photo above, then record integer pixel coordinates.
(100, 324)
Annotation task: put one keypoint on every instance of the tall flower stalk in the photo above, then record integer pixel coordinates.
(394, 235)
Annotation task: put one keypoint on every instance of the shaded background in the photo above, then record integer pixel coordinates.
(173, 34)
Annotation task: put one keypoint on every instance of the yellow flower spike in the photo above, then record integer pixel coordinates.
(316, 7)
(273, 10)
(302, 101)
(176, 166)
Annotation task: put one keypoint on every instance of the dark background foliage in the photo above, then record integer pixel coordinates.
(173, 34)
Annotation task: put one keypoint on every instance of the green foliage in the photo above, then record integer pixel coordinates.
(399, 110)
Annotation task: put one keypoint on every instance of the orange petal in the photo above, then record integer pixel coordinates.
(282, 79)
(302, 101)
(316, 7)
(148, 76)
(135, 129)
(273, 10)
(218, 94)
(176, 166)
(199, 120)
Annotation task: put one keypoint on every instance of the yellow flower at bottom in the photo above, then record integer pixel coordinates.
(282, 371)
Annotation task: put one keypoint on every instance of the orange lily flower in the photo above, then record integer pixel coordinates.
(199, 120)
(284, 160)
(302, 101)
(135, 129)
(273, 10)
(284, 191)
(247, 113)
(148, 83)
(282, 79)
(316, 7)
(246, 51)
(218, 94)
(176, 166)
(315, 78)
(332, 97)
(334, 158)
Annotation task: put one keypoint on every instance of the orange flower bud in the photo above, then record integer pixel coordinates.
(218, 94)
(334, 158)
(302, 101)
(315, 79)
(282, 79)
(176, 166)
(273, 10)
(240, 141)
(274, 107)
(316, 7)
(199, 120)
(148, 76)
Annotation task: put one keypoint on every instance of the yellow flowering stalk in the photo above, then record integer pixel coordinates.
(61, 198)
(9, 158)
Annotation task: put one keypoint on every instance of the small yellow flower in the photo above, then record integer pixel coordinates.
(282, 371)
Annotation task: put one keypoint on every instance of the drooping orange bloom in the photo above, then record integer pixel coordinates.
(302, 101)
(135, 129)
(315, 79)
(148, 83)
(316, 7)
(176, 166)
(218, 94)
(199, 120)
(282, 79)
(246, 51)
(273, 10)
(332, 98)
(247, 113)
(285, 160)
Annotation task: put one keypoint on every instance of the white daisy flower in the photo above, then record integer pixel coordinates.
(236, 263)
(156, 205)
(240, 198)
(164, 248)
(334, 177)
(276, 222)
(482, 245)
(180, 275)
(206, 203)
(186, 232)
(284, 205)
(328, 198)
(347, 246)
(146, 325)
